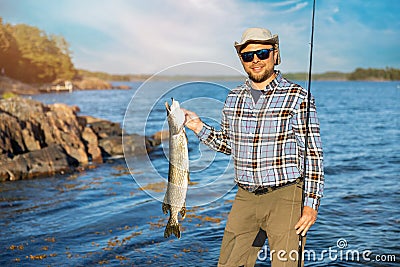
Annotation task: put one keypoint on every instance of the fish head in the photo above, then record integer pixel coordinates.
(176, 117)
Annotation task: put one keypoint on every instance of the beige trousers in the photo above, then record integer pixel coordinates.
(277, 213)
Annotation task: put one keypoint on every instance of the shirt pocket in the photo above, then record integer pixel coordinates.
(276, 122)
(244, 122)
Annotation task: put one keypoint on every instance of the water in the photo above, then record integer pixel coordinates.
(102, 217)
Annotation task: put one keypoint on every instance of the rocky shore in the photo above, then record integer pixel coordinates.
(8, 85)
(42, 140)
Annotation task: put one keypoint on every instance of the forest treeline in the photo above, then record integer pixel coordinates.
(30, 55)
(360, 74)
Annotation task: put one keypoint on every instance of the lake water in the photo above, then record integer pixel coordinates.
(106, 216)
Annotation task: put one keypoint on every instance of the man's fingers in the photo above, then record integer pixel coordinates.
(192, 121)
(300, 222)
(304, 225)
(305, 222)
(189, 114)
(304, 232)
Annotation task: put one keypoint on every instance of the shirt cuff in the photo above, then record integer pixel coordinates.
(311, 202)
(204, 132)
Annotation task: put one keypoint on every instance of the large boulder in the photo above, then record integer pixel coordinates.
(30, 125)
(47, 161)
(92, 144)
(38, 139)
(133, 144)
(105, 129)
(12, 140)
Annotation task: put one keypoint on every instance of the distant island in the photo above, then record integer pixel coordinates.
(360, 74)
(31, 60)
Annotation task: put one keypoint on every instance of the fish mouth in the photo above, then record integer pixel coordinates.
(167, 106)
(176, 115)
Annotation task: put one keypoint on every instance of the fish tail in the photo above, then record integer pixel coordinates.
(173, 227)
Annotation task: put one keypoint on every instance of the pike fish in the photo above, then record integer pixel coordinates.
(178, 175)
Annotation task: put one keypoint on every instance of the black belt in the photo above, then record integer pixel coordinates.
(267, 189)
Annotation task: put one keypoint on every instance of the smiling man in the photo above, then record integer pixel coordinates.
(264, 127)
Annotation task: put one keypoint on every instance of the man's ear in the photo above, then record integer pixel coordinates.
(276, 53)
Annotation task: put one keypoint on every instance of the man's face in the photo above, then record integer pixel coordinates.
(259, 70)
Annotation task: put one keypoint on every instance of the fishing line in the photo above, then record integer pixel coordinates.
(300, 249)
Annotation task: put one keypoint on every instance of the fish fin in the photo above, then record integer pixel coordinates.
(183, 211)
(172, 228)
(166, 208)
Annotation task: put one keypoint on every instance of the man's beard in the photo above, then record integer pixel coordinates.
(261, 77)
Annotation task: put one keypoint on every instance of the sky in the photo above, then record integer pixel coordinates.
(148, 36)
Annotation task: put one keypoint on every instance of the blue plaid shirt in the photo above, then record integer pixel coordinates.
(266, 138)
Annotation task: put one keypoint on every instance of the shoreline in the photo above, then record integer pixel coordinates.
(43, 140)
(11, 87)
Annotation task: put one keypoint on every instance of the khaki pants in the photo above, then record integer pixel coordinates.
(277, 213)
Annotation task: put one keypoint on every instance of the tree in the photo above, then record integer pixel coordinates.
(67, 70)
(30, 55)
(9, 52)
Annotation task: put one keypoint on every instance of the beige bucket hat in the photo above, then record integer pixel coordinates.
(259, 35)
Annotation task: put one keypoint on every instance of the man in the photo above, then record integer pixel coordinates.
(263, 127)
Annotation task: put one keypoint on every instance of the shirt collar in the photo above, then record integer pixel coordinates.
(271, 86)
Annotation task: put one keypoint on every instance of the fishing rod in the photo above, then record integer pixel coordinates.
(300, 249)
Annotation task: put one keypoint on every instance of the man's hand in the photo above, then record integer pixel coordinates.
(192, 121)
(306, 221)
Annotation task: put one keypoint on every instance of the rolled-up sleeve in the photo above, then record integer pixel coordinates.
(314, 177)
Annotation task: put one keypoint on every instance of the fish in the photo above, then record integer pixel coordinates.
(178, 175)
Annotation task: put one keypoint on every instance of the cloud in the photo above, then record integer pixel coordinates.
(284, 3)
(155, 35)
(147, 36)
(297, 7)
(287, 6)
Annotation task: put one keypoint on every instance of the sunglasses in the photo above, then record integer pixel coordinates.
(262, 54)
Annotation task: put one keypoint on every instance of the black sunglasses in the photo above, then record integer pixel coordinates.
(262, 54)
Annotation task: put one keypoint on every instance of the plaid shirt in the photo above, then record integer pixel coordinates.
(266, 139)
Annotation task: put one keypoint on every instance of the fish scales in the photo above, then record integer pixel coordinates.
(178, 175)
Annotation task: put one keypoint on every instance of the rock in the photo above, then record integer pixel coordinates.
(133, 144)
(13, 86)
(32, 125)
(121, 87)
(29, 134)
(111, 146)
(89, 119)
(92, 144)
(105, 129)
(11, 141)
(47, 161)
(159, 137)
(91, 83)
(41, 140)
(22, 108)
(65, 129)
